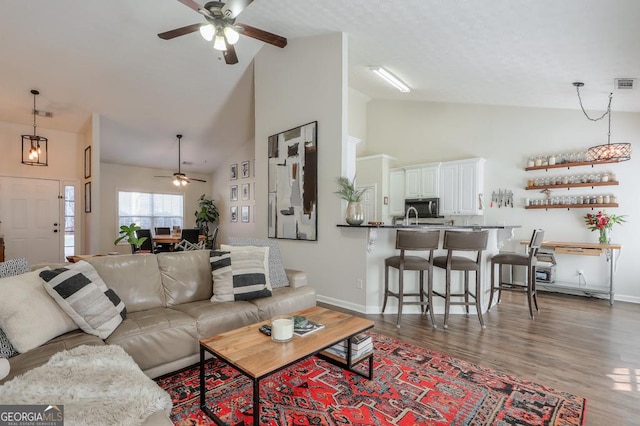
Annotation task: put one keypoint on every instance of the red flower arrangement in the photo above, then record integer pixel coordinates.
(602, 222)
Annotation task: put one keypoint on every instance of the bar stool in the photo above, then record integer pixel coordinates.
(462, 241)
(411, 241)
(527, 260)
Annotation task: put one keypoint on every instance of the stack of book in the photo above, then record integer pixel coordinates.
(361, 344)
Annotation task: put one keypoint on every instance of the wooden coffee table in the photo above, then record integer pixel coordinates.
(257, 356)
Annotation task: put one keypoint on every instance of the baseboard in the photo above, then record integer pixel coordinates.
(624, 298)
(341, 304)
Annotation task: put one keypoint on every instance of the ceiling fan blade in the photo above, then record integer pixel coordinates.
(230, 56)
(232, 8)
(191, 4)
(262, 35)
(197, 180)
(168, 35)
(164, 176)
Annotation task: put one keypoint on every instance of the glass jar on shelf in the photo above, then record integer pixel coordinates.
(599, 199)
(531, 162)
(612, 177)
(606, 198)
(552, 159)
(604, 177)
(613, 198)
(538, 161)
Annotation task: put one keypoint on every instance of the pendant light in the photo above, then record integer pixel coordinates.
(34, 147)
(609, 151)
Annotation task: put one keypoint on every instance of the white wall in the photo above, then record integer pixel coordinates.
(421, 132)
(115, 177)
(357, 120)
(307, 81)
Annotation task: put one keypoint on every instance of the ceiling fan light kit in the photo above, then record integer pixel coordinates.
(609, 151)
(179, 178)
(222, 28)
(391, 79)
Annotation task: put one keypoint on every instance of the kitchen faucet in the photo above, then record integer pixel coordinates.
(406, 217)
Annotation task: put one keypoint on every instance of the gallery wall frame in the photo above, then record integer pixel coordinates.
(293, 183)
(234, 213)
(87, 162)
(245, 191)
(244, 169)
(244, 214)
(87, 197)
(233, 193)
(233, 171)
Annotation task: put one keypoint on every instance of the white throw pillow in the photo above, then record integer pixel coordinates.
(250, 270)
(28, 315)
(83, 294)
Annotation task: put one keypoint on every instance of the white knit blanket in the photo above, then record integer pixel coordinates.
(98, 385)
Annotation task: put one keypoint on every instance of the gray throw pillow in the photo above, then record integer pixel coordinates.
(277, 274)
(10, 268)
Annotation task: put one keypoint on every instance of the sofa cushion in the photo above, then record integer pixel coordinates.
(284, 301)
(277, 274)
(11, 268)
(186, 276)
(157, 336)
(250, 270)
(222, 276)
(40, 355)
(28, 315)
(84, 296)
(134, 277)
(218, 317)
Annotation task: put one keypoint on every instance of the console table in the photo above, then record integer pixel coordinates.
(582, 249)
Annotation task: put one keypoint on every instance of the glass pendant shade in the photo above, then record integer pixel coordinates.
(219, 43)
(207, 32)
(231, 35)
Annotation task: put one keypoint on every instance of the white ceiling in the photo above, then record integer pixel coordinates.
(104, 57)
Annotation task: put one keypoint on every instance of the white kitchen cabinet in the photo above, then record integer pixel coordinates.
(461, 186)
(422, 181)
(396, 192)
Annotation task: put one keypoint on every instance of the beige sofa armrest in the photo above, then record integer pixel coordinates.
(296, 278)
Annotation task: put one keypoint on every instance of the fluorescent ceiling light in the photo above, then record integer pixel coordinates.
(391, 79)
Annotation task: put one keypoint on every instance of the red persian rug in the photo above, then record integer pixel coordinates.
(411, 386)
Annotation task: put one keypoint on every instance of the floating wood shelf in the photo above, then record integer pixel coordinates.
(574, 185)
(573, 206)
(570, 165)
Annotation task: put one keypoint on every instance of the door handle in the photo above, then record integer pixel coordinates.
(55, 230)
(55, 224)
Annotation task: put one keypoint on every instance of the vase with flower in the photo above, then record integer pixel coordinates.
(603, 223)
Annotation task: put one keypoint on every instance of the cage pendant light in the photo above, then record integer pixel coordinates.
(609, 151)
(35, 148)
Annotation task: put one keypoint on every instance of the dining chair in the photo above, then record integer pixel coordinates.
(163, 247)
(514, 259)
(164, 230)
(147, 244)
(414, 240)
(456, 241)
(190, 240)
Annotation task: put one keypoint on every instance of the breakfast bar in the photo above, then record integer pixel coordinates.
(380, 242)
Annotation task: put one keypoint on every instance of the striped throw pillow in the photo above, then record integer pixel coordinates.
(11, 268)
(222, 276)
(250, 271)
(85, 297)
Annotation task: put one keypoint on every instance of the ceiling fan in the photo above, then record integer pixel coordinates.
(179, 178)
(222, 27)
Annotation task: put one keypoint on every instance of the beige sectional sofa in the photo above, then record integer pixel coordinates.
(167, 297)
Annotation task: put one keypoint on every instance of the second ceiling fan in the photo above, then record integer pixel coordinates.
(222, 27)
(179, 178)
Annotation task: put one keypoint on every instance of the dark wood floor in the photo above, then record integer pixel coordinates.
(576, 344)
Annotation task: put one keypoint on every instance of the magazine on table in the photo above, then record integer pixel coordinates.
(307, 327)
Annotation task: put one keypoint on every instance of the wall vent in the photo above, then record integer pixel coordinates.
(624, 83)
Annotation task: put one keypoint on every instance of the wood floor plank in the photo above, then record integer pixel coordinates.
(576, 344)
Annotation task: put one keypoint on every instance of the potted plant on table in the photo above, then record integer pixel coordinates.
(353, 196)
(206, 214)
(603, 222)
(128, 233)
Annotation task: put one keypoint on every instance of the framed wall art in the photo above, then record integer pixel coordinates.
(244, 214)
(244, 168)
(293, 183)
(233, 171)
(234, 213)
(245, 191)
(87, 162)
(233, 193)
(87, 197)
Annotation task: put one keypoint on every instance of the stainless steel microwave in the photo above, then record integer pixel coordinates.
(426, 207)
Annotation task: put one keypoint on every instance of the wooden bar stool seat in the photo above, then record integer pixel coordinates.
(473, 241)
(414, 240)
(515, 259)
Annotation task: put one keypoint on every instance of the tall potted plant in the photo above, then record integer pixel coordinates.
(128, 232)
(353, 196)
(206, 214)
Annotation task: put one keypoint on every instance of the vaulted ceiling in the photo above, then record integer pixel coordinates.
(105, 57)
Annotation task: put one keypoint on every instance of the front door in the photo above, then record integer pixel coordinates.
(30, 219)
